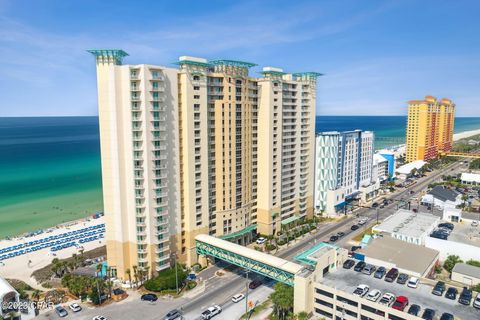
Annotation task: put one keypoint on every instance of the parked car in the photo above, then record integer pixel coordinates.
(149, 297)
(99, 318)
(413, 282)
(238, 297)
(439, 235)
(400, 303)
(254, 284)
(391, 275)
(354, 227)
(211, 312)
(447, 225)
(361, 290)
(439, 288)
(451, 293)
(387, 299)
(348, 264)
(374, 295)
(173, 314)
(340, 234)
(476, 302)
(61, 312)
(261, 240)
(465, 296)
(374, 205)
(428, 314)
(402, 278)
(414, 310)
(447, 316)
(355, 248)
(474, 223)
(369, 269)
(333, 238)
(75, 307)
(191, 277)
(359, 266)
(380, 272)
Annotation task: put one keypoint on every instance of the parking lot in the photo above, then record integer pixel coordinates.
(348, 280)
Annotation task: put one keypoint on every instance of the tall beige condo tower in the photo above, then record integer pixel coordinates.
(286, 142)
(205, 148)
(138, 115)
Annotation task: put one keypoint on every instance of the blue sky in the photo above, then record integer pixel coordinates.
(375, 55)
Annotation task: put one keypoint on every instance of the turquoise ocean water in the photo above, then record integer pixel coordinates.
(50, 166)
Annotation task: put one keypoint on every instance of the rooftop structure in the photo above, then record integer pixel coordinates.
(467, 270)
(470, 178)
(408, 226)
(409, 258)
(406, 169)
(313, 254)
(444, 194)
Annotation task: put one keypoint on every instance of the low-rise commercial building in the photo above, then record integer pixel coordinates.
(405, 171)
(408, 258)
(408, 226)
(470, 178)
(441, 196)
(380, 168)
(466, 274)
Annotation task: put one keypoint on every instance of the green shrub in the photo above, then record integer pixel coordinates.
(191, 285)
(166, 280)
(270, 247)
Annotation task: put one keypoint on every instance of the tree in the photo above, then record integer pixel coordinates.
(129, 274)
(450, 262)
(474, 263)
(302, 316)
(282, 299)
(166, 279)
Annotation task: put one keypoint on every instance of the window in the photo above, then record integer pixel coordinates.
(196, 88)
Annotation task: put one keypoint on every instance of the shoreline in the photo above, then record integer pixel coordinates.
(465, 134)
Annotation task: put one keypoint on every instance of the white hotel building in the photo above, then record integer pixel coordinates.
(343, 167)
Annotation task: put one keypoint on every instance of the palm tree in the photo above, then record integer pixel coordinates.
(36, 298)
(109, 286)
(147, 272)
(135, 275)
(129, 274)
(99, 269)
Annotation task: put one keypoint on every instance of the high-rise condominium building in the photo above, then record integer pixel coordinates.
(343, 165)
(202, 149)
(139, 117)
(429, 128)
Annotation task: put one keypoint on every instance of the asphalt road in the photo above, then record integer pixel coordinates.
(219, 289)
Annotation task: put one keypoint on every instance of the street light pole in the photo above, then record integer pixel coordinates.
(174, 256)
(246, 292)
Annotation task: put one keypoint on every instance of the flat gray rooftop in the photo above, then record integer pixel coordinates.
(465, 233)
(348, 280)
(408, 223)
(404, 255)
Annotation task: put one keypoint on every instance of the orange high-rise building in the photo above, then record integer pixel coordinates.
(429, 128)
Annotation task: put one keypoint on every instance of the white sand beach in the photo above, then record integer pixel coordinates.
(21, 267)
(465, 134)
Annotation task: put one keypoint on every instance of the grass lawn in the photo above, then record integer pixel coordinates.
(359, 237)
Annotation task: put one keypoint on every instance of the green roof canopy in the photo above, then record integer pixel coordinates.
(193, 63)
(309, 74)
(290, 220)
(117, 54)
(277, 73)
(233, 63)
(242, 232)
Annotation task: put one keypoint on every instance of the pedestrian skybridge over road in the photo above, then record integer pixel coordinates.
(252, 260)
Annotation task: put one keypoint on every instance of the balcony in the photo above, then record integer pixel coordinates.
(165, 257)
(135, 98)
